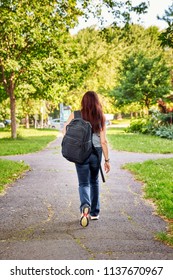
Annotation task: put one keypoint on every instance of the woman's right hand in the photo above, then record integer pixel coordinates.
(107, 167)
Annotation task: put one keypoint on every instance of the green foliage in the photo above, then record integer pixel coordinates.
(29, 35)
(165, 132)
(143, 79)
(94, 66)
(121, 11)
(166, 36)
(144, 74)
(41, 60)
(4, 110)
(35, 43)
(156, 124)
(138, 126)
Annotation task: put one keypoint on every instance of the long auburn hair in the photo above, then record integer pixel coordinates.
(92, 111)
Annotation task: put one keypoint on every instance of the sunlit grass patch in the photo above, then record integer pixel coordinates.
(139, 143)
(157, 176)
(28, 141)
(10, 171)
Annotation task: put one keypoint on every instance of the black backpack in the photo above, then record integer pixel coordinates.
(77, 142)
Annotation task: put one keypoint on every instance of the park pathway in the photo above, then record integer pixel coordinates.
(39, 214)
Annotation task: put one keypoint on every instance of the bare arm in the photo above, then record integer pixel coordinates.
(67, 122)
(104, 145)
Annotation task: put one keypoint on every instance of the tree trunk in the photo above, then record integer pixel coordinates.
(136, 114)
(11, 94)
(13, 114)
(147, 106)
(119, 117)
(9, 88)
(27, 121)
(41, 124)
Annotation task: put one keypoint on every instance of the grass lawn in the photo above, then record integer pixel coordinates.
(10, 171)
(29, 141)
(122, 141)
(157, 176)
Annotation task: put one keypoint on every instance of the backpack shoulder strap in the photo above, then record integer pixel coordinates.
(77, 114)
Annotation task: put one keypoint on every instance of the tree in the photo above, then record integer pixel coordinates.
(120, 10)
(143, 79)
(166, 36)
(32, 40)
(29, 30)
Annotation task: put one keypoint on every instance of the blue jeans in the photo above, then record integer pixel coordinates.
(88, 178)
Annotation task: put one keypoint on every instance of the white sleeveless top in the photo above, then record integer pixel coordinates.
(96, 140)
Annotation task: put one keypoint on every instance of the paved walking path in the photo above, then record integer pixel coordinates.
(39, 214)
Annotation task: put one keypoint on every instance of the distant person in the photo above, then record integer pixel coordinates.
(88, 172)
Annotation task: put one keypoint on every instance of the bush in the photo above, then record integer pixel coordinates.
(139, 125)
(156, 124)
(165, 132)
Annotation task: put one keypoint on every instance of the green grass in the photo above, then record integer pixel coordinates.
(10, 171)
(122, 141)
(158, 178)
(28, 141)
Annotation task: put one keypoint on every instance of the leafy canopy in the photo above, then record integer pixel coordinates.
(143, 79)
(167, 35)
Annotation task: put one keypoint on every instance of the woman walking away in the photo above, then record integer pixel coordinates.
(88, 172)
